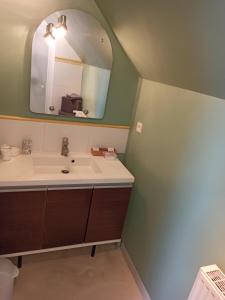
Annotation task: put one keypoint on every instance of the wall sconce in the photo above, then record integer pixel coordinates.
(49, 37)
(60, 29)
(57, 31)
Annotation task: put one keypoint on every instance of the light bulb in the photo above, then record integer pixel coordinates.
(49, 38)
(59, 31)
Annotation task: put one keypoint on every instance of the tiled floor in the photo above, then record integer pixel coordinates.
(74, 275)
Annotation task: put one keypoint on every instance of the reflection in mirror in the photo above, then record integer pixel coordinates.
(71, 66)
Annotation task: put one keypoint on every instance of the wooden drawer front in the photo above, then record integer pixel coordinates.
(21, 221)
(107, 214)
(66, 217)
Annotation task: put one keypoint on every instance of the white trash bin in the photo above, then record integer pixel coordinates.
(8, 272)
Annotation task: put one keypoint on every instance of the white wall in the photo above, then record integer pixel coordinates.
(50, 80)
(39, 70)
(67, 77)
(63, 49)
(94, 90)
(67, 80)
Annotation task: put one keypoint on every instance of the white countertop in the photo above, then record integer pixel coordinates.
(20, 172)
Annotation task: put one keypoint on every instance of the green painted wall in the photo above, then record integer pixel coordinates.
(175, 42)
(176, 218)
(18, 21)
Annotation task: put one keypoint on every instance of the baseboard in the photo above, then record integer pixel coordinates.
(135, 274)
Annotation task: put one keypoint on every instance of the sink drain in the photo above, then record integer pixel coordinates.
(65, 171)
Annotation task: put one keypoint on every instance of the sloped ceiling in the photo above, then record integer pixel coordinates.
(176, 42)
(85, 36)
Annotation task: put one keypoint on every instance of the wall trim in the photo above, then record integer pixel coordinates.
(59, 248)
(63, 122)
(68, 61)
(135, 274)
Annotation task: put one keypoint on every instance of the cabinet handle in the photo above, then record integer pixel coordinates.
(63, 188)
(113, 186)
(15, 190)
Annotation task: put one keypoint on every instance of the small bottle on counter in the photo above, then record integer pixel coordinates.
(6, 152)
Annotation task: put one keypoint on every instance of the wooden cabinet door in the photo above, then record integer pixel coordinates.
(107, 214)
(66, 217)
(21, 221)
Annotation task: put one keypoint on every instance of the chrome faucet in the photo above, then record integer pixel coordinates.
(65, 147)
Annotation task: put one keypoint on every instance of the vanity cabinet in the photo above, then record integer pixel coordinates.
(21, 221)
(107, 214)
(60, 217)
(66, 217)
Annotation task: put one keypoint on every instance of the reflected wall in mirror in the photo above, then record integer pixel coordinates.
(71, 66)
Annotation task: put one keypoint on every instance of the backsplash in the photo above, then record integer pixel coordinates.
(47, 137)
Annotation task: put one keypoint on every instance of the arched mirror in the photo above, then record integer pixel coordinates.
(71, 66)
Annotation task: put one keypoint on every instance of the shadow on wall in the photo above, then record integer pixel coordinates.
(176, 218)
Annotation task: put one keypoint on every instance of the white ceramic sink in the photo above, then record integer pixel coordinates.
(64, 165)
(45, 169)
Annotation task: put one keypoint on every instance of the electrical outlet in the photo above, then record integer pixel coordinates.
(139, 127)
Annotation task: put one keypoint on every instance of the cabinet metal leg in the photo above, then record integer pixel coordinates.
(19, 262)
(93, 251)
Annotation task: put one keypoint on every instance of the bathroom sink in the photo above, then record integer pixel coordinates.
(64, 165)
(83, 165)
